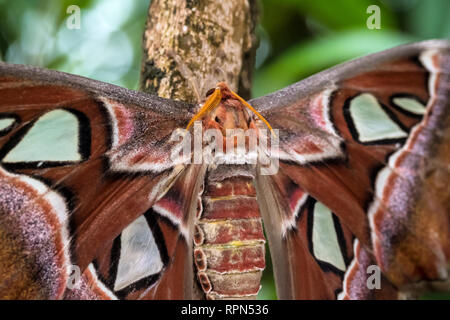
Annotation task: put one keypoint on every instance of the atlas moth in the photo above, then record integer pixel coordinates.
(88, 179)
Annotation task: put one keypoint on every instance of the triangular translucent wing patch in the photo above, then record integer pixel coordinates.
(371, 122)
(410, 105)
(139, 254)
(6, 123)
(53, 138)
(324, 237)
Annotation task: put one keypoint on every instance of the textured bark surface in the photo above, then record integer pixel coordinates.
(191, 45)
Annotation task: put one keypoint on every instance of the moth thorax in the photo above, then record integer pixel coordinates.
(229, 114)
(236, 126)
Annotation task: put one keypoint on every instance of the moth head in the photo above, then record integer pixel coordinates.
(229, 113)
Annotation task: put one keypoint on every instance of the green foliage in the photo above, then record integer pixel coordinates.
(106, 47)
(326, 33)
(310, 56)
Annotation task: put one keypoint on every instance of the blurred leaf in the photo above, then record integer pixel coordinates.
(430, 19)
(268, 289)
(436, 296)
(277, 17)
(342, 14)
(317, 54)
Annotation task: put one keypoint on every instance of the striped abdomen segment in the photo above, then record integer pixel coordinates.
(229, 240)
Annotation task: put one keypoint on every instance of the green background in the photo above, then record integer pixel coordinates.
(297, 38)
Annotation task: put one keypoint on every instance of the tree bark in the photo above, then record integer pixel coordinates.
(190, 45)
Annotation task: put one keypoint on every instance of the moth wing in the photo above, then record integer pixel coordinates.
(81, 162)
(369, 141)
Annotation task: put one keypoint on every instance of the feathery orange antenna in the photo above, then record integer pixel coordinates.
(214, 100)
(245, 103)
(210, 103)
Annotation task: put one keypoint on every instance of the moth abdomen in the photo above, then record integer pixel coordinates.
(229, 248)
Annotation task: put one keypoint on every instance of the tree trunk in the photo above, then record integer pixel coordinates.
(191, 45)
